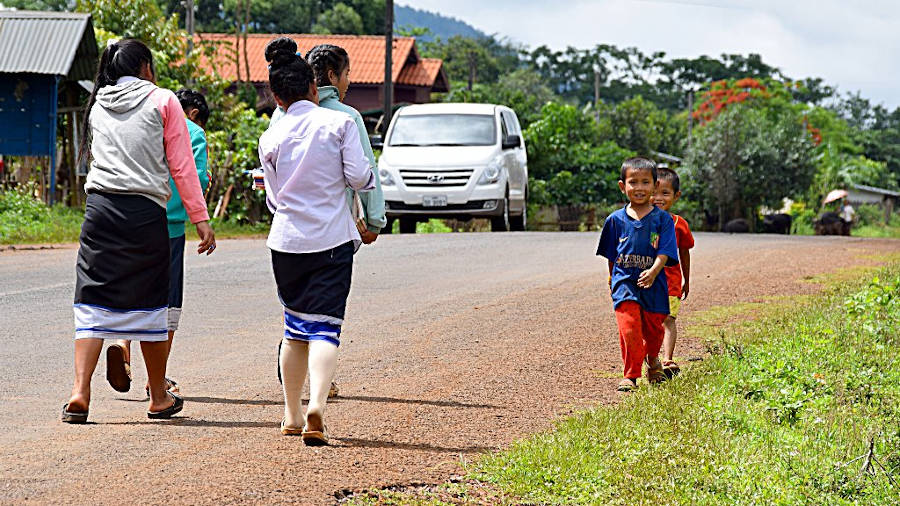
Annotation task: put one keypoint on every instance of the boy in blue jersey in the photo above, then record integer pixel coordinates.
(118, 356)
(639, 241)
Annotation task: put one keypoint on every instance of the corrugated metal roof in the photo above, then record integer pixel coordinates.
(366, 58)
(55, 43)
(873, 189)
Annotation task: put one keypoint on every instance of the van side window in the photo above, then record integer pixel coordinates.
(504, 129)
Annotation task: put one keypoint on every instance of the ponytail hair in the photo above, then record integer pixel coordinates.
(325, 57)
(121, 58)
(290, 76)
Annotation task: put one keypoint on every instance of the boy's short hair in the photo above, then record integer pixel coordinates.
(667, 174)
(638, 163)
(192, 99)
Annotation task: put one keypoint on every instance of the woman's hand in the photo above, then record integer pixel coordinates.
(368, 237)
(207, 238)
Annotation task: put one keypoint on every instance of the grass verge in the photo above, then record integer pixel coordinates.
(799, 405)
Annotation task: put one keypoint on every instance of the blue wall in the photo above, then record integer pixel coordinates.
(28, 114)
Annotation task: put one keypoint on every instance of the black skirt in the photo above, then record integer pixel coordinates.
(122, 271)
(313, 288)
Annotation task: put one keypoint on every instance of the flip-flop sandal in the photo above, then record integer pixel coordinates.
(290, 431)
(655, 375)
(118, 371)
(168, 412)
(171, 386)
(73, 416)
(314, 437)
(671, 369)
(333, 391)
(627, 385)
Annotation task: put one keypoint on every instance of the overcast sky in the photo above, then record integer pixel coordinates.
(854, 44)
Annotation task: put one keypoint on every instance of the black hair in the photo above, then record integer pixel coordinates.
(192, 99)
(638, 163)
(123, 58)
(325, 57)
(290, 76)
(667, 174)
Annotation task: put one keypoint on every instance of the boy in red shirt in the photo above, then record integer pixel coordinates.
(667, 193)
(638, 241)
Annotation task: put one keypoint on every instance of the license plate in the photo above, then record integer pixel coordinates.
(434, 201)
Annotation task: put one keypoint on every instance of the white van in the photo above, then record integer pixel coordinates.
(457, 161)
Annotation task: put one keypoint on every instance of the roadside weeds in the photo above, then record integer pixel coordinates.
(798, 401)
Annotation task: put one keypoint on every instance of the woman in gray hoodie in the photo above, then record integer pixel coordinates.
(138, 138)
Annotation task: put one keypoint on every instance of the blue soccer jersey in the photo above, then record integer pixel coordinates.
(633, 245)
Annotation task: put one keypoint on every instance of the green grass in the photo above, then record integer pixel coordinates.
(24, 220)
(783, 412)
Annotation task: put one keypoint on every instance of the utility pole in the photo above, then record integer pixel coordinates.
(189, 24)
(471, 58)
(388, 62)
(690, 116)
(597, 94)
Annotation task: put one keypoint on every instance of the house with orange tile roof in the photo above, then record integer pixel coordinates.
(415, 78)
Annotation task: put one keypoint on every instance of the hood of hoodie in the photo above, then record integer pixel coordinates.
(120, 98)
(328, 93)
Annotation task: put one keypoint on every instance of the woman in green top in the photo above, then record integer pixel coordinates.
(331, 65)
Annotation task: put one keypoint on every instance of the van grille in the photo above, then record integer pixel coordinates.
(436, 179)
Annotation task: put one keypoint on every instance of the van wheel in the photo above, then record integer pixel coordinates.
(407, 225)
(501, 223)
(518, 223)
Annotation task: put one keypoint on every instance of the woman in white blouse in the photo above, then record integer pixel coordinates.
(309, 158)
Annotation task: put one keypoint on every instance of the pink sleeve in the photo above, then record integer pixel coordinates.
(180, 156)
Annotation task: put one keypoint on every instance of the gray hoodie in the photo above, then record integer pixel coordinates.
(139, 137)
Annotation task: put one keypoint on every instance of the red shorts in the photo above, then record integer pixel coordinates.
(640, 335)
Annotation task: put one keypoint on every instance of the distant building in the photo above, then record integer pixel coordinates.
(415, 78)
(43, 56)
(862, 194)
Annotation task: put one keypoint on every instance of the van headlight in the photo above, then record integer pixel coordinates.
(491, 173)
(386, 178)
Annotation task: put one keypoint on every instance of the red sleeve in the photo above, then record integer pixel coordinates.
(683, 234)
(180, 155)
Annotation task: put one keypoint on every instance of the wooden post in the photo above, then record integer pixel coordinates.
(388, 62)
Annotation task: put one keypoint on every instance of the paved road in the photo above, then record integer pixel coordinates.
(454, 345)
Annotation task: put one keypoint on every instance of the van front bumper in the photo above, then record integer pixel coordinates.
(473, 208)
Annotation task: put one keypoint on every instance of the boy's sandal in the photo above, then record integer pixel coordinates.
(671, 369)
(73, 416)
(118, 370)
(168, 412)
(290, 431)
(627, 385)
(171, 386)
(655, 375)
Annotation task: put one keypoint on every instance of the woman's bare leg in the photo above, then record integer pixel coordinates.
(87, 352)
(155, 356)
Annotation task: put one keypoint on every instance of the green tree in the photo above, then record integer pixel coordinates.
(340, 19)
(639, 125)
(748, 157)
(522, 90)
(40, 5)
(569, 160)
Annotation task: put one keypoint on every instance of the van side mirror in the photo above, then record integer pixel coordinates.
(377, 141)
(512, 141)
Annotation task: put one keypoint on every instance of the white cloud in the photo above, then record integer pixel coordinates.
(852, 45)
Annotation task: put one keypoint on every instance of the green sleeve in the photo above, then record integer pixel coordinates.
(201, 158)
(372, 201)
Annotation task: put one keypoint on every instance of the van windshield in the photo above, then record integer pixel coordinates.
(444, 130)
